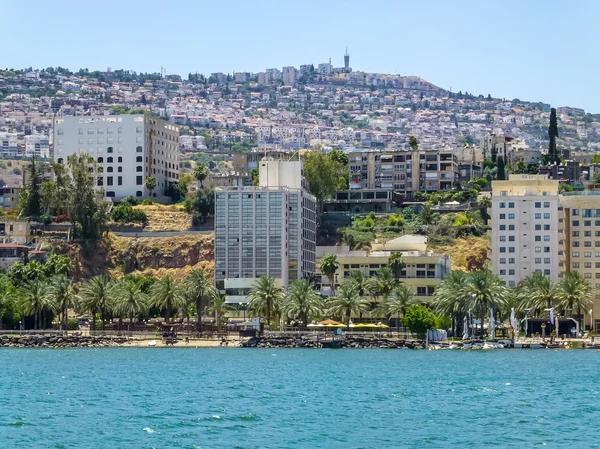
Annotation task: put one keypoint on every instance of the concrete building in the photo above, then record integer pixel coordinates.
(9, 145)
(289, 76)
(128, 149)
(579, 242)
(325, 68)
(9, 197)
(423, 269)
(37, 145)
(267, 230)
(493, 146)
(15, 231)
(525, 227)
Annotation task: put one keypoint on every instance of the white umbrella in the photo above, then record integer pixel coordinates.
(465, 329)
(512, 317)
(315, 325)
(492, 322)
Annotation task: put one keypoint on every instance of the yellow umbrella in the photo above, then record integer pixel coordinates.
(340, 325)
(382, 326)
(331, 325)
(362, 325)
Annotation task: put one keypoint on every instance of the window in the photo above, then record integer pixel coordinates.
(511, 249)
(139, 168)
(546, 227)
(109, 169)
(138, 139)
(587, 265)
(546, 203)
(502, 272)
(502, 260)
(538, 205)
(502, 216)
(138, 193)
(575, 234)
(575, 264)
(109, 160)
(511, 272)
(587, 244)
(100, 182)
(546, 249)
(139, 159)
(503, 227)
(502, 249)
(546, 260)
(119, 180)
(511, 205)
(503, 238)
(511, 227)
(109, 180)
(139, 180)
(138, 129)
(587, 222)
(138, 149)
(546, 238)
(546, 272)
(502, 205)
(538, 260)
(538, 216)
(511, 283)
(575, 222)
(109, 150)
(587, 233)
(587, 254)
(538, 238)
(511, 238)
(120, 169)
(100, 160)
(538, 249)
(575, 254)
(574, 212)
(511, 260)
(511, 216)
(538, 227)
(547, 216)
(60, 160)
(120, 159)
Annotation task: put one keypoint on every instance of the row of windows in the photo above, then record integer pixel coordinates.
(587, 244)
(586, 233)
(538, 216)
(586, 265)
(575, 223)
(585, 254)
(511, 272)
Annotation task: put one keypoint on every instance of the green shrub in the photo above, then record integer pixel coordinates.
(72, 324)
(126, 214)
(147, 202)
(130, 200)
(395, 220)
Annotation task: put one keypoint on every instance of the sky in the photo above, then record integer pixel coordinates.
(535, 50)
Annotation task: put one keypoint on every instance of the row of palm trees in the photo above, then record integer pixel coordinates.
(123, 299)
(302, 303)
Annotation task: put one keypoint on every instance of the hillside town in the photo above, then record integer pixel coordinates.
(317, 173)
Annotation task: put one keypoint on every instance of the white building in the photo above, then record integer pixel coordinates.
(267, 230)
(37, 145)
(128, 148)
(289, 76)
(9, 145)
(525, 227)
(325, 68)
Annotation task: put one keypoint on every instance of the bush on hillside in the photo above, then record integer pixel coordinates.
(127, 214)
(130, 200)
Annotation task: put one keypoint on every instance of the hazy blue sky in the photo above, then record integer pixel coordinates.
(539, 50)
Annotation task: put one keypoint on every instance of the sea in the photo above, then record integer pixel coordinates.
(111, 398)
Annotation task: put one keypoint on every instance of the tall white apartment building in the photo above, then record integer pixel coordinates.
(266, 230)
(525, 227)
(37, 145)
(128, 149)
(9, 144)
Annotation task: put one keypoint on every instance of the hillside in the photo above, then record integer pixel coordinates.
(156, 256)
(466, 252)
(166, 217)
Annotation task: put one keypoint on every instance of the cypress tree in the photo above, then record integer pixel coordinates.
(553, 134)
(501, 170)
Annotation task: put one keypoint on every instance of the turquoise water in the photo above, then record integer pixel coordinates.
(264, 398)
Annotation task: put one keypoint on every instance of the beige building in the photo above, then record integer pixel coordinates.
(524, 227)
(15, 231)
(579, 244)
(400, 171)
(423, 269)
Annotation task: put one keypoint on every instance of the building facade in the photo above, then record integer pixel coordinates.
(37, 145)
(525, 227)
(128, 149)
(266, 230)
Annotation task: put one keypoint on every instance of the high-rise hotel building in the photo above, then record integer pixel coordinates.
(128, 149)
(265, 230)
(525, 227)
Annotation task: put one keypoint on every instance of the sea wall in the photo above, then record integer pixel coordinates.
(44, 341)
(297, 341)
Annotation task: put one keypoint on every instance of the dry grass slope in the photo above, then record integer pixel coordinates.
(464, 248)
(167, 218)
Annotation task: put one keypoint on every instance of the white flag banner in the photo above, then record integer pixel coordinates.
(512, 318)
(552, 315)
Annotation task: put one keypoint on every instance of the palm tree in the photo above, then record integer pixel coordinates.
(537, 292)
(130, 300)
(398, 301)
(396, 264)
(6, 291)
(199, 290)
(361, 281)
(97, 297)
(219, 308)
(484, 202)
(265, 298)
(348, 302)
(36, 297)
(200, 174)
(485, 290)
(383, 283)
(63, 296)
(329, 265)
(166, 294)
(450, 297)
(574, 293)
(302, 302)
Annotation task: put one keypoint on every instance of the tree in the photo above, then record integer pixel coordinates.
(89, 211)
(382, 283)
(167, 295)
(418, 318)
(254, 174)
(265, 298)
(398, 301)
(324, 175)
(200, 174)
(302, 302)
(348, 302)
(413, 143)
(574, 293)
(6, 292)
(537, 292)
(201, 204)
(501, 169)
(396, 264)
(329, 265)
(59, 265)
(219, 308)
(130, 300)
(553, 135)
(63, 296)
(596, 159)
(201, 291)
(484, 202)
(362, 282)
(150, 184)
(520, 167)
(31, 196)
(485, 290)
(97, 296)
(35, 297)
(339, 156)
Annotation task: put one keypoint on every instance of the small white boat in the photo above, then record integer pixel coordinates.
(152, 343)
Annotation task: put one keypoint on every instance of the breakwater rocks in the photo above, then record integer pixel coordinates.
(296, 341)
(55, 341)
